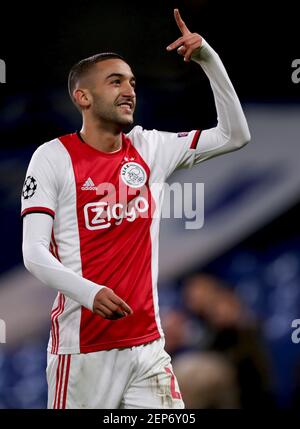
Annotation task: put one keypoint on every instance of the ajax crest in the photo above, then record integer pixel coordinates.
(133, 174)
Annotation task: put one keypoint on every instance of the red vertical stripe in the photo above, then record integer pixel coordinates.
(174, 393)
(60, 381)
(55, 314)
(57, 380)
(133, 270)
(66, 382)
(55, 324)
(195, 139)
(55, 245)
(51, 248)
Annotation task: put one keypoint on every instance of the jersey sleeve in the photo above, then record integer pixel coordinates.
(177, 150)
(40, 189)
(170, 151)
(166, 150)
(48, 269)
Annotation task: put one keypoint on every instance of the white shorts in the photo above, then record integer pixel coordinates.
(135, 377)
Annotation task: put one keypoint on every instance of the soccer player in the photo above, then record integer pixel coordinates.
(91, 224)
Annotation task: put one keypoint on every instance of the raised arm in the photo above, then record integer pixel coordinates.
(231, 132)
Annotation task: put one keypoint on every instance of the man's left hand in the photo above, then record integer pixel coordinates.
(188, 42)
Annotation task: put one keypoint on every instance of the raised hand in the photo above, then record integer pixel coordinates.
(188, 42)
(109, 306)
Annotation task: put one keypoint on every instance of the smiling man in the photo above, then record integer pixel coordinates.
(102, 87)
(91, 224)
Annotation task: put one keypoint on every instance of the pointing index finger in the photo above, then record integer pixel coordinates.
(180, 23)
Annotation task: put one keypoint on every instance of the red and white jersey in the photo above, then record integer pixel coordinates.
(106, 209)
(106, 228)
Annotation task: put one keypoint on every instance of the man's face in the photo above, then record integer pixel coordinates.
(112, 92)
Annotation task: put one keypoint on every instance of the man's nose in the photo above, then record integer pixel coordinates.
(128, 90)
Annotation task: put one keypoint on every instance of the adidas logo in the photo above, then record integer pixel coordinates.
(89, 185)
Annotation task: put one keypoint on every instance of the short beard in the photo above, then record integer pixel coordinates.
(109, 114)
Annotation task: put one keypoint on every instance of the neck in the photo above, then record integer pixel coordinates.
(101, 138)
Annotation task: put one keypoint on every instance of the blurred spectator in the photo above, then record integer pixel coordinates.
(233, 332)
(174, 324)
(207, 381)
(182, 333)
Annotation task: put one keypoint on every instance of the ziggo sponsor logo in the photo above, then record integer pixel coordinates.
(178, 201)
(99, 215)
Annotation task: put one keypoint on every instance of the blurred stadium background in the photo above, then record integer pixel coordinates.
(229, 291)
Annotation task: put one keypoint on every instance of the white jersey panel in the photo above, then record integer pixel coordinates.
(68, 246)
(54, 190)
(163, 151)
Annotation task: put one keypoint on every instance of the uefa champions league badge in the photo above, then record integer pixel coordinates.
(133, 175)
(29, 187)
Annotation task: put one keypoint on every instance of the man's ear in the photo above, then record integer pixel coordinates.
(82, 97)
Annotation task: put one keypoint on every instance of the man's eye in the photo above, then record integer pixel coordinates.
(117, 81)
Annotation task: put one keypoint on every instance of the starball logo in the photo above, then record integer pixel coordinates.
(2, 71)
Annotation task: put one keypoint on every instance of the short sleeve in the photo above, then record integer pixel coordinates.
(40, 189)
